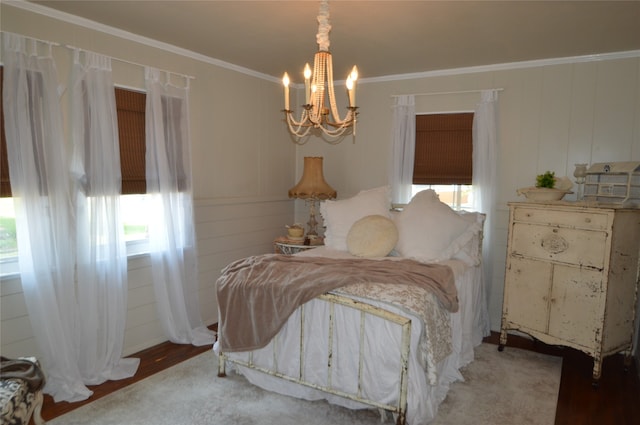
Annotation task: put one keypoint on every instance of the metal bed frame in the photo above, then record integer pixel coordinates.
(398, 409)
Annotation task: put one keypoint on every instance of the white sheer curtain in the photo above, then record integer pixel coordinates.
(171, 230)
(484, 180)
(403, 144)
(101, 250)
(40, 184)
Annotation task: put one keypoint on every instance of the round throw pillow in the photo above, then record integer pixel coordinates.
(372, 236)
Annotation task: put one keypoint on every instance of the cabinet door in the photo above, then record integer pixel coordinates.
(577, 306)
(527, 290)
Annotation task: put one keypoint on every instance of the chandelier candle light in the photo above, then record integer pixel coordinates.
(318, 89)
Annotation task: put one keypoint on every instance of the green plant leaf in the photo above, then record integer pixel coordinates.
(547, 179)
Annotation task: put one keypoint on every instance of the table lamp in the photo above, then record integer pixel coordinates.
(312, 188)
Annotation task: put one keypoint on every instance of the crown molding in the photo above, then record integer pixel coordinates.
(87, 23)
(83, 22)
(506, 66)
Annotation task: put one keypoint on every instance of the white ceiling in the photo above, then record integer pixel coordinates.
(381, 37)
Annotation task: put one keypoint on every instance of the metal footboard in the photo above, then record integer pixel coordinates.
(399, 409)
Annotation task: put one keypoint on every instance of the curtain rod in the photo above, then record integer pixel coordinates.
(133, 63)
(50, 43)
(447, 92)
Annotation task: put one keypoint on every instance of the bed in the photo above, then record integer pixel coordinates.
(370, 337)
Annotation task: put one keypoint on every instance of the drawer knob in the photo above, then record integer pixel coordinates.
(554, 244)
(587, 220)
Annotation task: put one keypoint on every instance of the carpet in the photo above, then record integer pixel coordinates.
(512, 387)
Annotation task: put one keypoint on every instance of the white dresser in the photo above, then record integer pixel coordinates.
(572, 275)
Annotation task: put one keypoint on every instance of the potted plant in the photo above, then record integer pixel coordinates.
(548, 188)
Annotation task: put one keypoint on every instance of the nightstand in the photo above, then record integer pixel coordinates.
(282, 245)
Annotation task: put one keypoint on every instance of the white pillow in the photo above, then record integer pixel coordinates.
(430, 231)
(471, 251)
(372, 236)
(339, 216)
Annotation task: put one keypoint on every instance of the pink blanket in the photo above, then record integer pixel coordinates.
(256, 295)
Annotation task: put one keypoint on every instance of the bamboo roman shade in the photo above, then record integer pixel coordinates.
(131, 121)
(444, 149)
(5, 185)
(130, 106)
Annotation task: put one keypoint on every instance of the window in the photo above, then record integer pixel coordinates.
(130, 106)
(443, 157)
(457, 196)
(5, 185)
(8, 236)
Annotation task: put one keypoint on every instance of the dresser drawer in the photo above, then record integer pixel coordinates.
(582, 220)
(577, 247)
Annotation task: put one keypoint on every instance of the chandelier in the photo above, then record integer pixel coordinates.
(320, 113)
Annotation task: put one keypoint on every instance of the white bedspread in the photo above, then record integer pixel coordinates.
(427, 386)
(435, 340)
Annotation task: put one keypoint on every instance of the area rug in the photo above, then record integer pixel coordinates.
(504, 388)
(511, 387)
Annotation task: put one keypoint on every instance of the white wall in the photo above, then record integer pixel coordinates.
(241, 169)
(552, 116)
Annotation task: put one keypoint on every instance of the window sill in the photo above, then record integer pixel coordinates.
(10, 268)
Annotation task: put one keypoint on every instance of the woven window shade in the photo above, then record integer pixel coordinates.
(130, 106)
(131, 124)
(444, 149)
(5, 184)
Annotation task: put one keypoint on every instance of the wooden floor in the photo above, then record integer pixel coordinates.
(616, 401)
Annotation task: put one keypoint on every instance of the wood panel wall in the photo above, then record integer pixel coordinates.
(226, 231)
